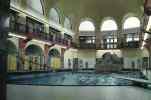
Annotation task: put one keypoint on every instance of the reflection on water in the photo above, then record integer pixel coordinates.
(25, 92)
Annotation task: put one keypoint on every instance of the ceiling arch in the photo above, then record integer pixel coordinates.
(95, 9)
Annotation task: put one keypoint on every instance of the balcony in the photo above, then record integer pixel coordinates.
(108, 46)
(22, 29)
(132, 40)
(87, 46)
(131, 44)
(120, 45)
(87, 42)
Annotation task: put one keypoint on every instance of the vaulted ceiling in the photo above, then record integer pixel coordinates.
(97, 10)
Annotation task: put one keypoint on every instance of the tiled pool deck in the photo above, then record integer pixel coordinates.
(26, 92)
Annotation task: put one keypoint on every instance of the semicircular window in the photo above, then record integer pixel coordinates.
(131, 22)
(67, 23)
(131, 27)
(54, 16)
(109, 25)
(86, 26)
(35, 6)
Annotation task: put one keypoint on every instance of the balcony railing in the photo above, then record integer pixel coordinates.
(22, 29)
(87, 46)
(121, 41)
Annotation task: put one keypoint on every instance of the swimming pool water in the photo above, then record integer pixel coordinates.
(74, 79)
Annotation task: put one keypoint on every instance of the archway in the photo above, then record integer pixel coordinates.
(87, 37)
(54, 59)
(132, 26)
(33, 58)
(109, 33)
(12, 57)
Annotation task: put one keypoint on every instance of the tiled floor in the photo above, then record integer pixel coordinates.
(24, 92)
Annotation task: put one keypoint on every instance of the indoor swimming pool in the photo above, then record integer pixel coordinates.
(74, 79)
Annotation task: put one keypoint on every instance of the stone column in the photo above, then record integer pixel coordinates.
(46, 48)
(98, 36)
(4, 28)
(63, 50)
(46, 55)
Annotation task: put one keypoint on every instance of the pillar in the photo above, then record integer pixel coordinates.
(4, 28)
(46, 55)
(98, 36)
(46, 51)
(63, 50)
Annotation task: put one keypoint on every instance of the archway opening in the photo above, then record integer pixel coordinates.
(33, 58)
(87, 36)
(132, 26)
(109, 34)
(54, 59)
(12, 57)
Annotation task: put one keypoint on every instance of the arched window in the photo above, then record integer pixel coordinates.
(35, 6)
(87, 34)
(86, 26)
(109, 25)
(54, 16)
(67, 23)
(109, 40)
(131, 22)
